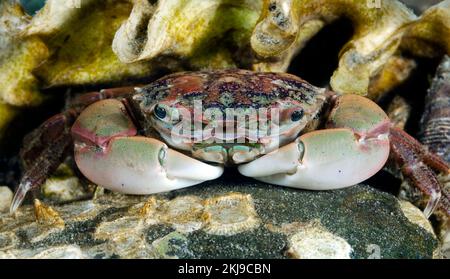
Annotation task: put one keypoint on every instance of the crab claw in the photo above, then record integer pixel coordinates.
(139, 165)
(332, 158)
(321, 160)
(108, 152)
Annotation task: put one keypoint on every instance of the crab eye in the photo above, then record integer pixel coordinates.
(160, 112)
(297, 115)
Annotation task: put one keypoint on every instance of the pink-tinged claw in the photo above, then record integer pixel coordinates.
(108, 152)
(139, 165)
(353, 148)
(102, 121)
(284, 160)
(322, 160)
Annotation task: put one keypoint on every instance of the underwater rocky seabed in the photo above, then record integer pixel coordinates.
(232, 217)
(225, 219)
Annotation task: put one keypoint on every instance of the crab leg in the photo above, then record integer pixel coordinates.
(354, 147)
(416, 164)
(46, 147)
(108, 152)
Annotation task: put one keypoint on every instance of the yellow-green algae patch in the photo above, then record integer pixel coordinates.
(82, 53)
(205, 32)
(430, 35)
(18, 57)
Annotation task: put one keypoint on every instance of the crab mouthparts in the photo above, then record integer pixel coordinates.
(228, 153)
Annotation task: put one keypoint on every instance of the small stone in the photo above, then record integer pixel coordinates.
(81, 211)
(55, 252)
(130, 246)
(63, 190)
(415, 216)
(6, 196)
(63, 186)
(314, 242)
(98, 192)
(36, 232)
(100, 251)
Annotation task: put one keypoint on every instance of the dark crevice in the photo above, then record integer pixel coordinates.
(414, 91)
(320, 57)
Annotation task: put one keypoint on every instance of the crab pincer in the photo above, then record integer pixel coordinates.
(46, 147)
(109, 152)
(354, 147)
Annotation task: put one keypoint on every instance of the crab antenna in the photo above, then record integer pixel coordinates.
(19, 196)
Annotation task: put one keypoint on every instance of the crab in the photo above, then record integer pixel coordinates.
(185, 128)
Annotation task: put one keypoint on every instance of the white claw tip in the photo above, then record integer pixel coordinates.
(19, 196)
(432, 204)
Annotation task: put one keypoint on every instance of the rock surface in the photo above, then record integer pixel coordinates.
(248, 220)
